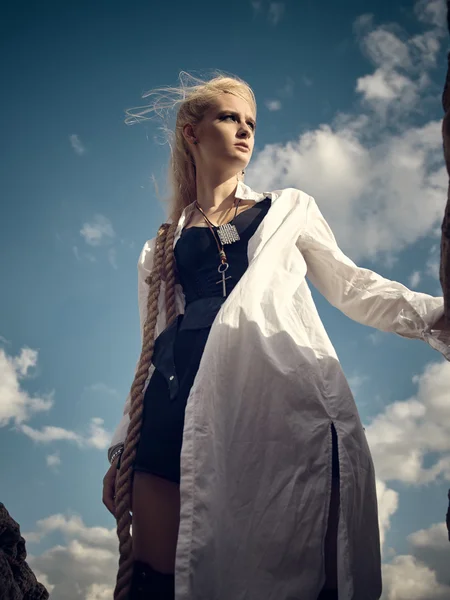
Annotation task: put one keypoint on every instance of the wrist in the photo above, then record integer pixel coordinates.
(115, 454)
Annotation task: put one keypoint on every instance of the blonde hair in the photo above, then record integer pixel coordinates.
(193, 100)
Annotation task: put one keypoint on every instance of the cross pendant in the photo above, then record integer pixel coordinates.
(222, 281)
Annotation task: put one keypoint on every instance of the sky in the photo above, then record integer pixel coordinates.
(349, 111)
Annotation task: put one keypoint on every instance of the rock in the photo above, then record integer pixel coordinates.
(17, 580)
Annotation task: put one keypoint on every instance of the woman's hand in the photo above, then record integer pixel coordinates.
(441, 324)
(109, 487)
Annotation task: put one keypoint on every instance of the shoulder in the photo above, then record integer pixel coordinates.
(145, 260)
(291, 196)
(289, 193)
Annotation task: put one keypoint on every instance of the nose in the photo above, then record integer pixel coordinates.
(245, 131)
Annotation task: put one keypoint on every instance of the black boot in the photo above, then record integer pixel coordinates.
(148, 584)
(328, 595)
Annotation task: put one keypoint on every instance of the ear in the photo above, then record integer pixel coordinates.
(189, 133)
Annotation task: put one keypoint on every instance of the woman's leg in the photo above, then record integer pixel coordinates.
(155, 522)
(331, 582)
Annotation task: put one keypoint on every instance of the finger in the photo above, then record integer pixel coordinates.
(108, 501)
(109, 495)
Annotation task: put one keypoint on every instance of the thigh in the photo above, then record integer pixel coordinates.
(155, 521)
(331, 538)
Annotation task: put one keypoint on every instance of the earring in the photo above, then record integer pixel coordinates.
(195, 142)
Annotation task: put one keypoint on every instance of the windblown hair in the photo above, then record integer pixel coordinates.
(193, 101)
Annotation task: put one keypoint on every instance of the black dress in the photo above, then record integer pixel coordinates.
(179, 348)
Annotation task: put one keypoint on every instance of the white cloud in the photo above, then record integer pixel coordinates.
(406, 578)
(26, 361)
(49, 433)
(400, 77)
(386, 85)
(42, 578)
(98, 231)
(435, 537)
(276, 11)
(423, 573)
(362, 23)
(77, 145)
(378, 195)
(425, 48)
(414, 279)
(433, 262)
(73, 527)
(432, 268)
(84, 567)
(99, 592)
(379, 180)
(16, 404)
(387, 505)
(273, 105)
(356, 381)
(96, 436)
(53, 460)
(405, 432)
(384, 48)
(432, 12)
(431, 547)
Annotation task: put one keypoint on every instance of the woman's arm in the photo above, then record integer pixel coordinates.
(145, 264)
(362, 294)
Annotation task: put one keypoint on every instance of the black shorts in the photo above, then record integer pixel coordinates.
(159, 447)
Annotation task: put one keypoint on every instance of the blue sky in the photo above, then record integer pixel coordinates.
(348, 111)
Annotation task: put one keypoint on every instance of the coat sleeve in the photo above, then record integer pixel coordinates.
(362, 294)
(144, 266)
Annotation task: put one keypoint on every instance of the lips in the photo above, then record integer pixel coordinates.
(242, 146)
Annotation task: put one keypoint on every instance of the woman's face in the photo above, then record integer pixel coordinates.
(228, 122)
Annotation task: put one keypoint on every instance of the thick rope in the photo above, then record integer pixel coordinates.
(125, 473)
(169, 269)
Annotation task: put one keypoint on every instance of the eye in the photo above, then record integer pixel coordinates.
(252, 125)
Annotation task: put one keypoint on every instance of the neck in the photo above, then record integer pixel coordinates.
(215, 193)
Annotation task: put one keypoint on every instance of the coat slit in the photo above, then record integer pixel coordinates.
(330, 551)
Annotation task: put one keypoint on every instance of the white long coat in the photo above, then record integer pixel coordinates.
(256, 456)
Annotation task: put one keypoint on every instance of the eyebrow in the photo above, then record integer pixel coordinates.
(236, 114)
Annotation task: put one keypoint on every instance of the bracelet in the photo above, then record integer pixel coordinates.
(113, 449)
(115, 454)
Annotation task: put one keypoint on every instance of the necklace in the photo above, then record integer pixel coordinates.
(227, 235)
(227, 232)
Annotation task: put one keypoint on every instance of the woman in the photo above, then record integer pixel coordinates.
(241, 454)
